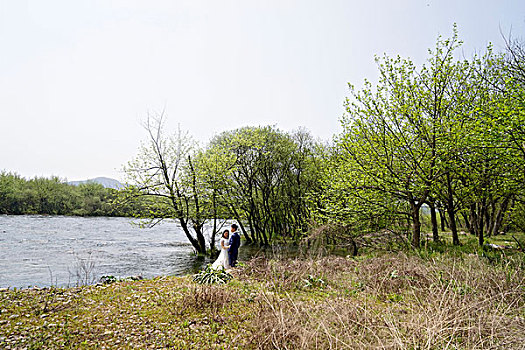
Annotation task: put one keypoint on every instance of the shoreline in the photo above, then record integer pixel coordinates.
(281, 303)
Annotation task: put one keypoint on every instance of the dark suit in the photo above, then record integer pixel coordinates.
(233, 251)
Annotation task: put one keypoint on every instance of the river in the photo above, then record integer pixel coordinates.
(65, 251)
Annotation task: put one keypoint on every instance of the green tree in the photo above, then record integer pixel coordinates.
(12, 191)
(213, 169)
(269, 175)
(426, 135)
(51, 196)
(54, 196)
(382, 141)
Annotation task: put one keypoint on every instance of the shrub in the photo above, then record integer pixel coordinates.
(211, 276)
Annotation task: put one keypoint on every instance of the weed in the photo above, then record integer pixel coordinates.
(209, 275)
(313, 282)
(387, 300)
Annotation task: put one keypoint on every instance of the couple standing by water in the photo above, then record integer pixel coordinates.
(229, 249)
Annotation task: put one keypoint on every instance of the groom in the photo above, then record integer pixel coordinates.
(235, 242)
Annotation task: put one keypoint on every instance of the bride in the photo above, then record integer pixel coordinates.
(223, 259)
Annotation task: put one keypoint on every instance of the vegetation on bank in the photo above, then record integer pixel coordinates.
(445, 138)
(54, 196)
(384, 300)
(430, 149)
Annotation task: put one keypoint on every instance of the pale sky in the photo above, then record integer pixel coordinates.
(77, 77)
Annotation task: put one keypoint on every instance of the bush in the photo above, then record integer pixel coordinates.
(211, 276)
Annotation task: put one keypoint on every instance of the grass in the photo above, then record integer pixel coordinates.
(387, 301)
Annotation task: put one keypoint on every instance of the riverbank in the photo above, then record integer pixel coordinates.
(390, 301)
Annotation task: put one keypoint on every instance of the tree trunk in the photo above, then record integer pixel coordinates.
(477, 214)
(506, 218)
(481, 238)
(243, 230)
(201, 249)
(451, 212)
(473, 220)
(442, 219)
(248, 235)
(498, 220)
(264, 232)
(489, 218)
(213, 234)
(453, 227)
(466, 220)
(433, 219)
(416, 224)
(253, 229)
(214, 230)
(200, 237)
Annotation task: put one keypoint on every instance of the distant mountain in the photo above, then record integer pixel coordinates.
(104, 181)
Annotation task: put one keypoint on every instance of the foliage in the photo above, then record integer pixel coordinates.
(445, 136)
(53, 196)
(268, 176)
(313, 282)
(209, 275)
(256, 176)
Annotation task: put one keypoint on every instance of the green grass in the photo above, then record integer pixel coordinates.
(390, 300)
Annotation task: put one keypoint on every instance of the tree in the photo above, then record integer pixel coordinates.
(266, 183)
(345, 200)
(512, 121)
(426, 135)
(54, 196)
(164, 171)
(213, 168)
(386, 139)
(498, 120)
(12, 190)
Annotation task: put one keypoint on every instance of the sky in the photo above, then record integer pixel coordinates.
(78, 77)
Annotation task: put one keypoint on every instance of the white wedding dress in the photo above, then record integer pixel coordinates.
(223, 259)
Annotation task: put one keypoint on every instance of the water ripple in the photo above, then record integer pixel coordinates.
(40, 250)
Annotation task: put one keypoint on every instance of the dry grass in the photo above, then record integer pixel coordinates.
(392, 301)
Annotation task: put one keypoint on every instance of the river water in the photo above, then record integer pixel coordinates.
(66, 251)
